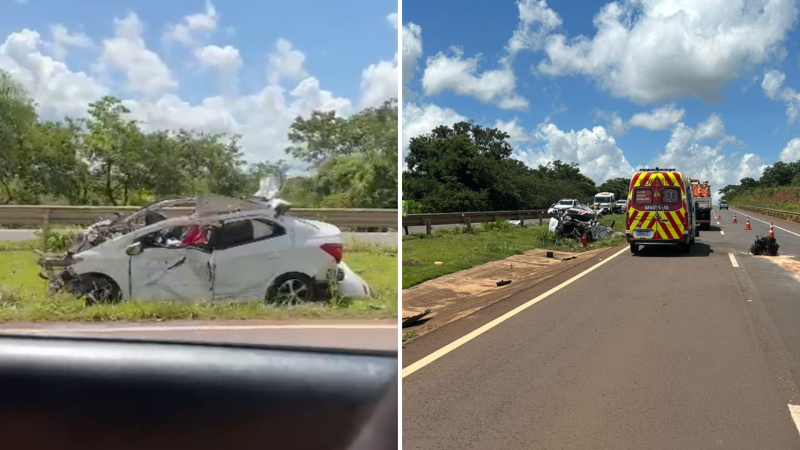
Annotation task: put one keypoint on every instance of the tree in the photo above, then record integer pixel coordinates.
(619, 186)
(109, 158)
(355, 158)
(779, 174)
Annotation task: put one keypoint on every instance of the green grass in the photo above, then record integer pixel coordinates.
(23, 295)
(459, 250)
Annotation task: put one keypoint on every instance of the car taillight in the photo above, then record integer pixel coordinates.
(334, 250)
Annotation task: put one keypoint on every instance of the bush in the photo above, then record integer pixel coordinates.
(500, 225)
(58, 240)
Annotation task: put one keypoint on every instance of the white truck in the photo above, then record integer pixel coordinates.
(604, 201)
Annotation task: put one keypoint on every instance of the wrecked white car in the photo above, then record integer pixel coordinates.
(228, 249)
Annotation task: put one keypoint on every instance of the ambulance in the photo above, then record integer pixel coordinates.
(660, 210)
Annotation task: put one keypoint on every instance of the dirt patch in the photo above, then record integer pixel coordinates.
(785, 262)
(457, 295)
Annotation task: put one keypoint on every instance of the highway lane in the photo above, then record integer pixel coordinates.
(657, 351)
(344, 334)
(389, 238)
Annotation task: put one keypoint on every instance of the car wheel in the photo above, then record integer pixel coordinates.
(634, 248)
(686, 248)
(291, 289)
(96, 289)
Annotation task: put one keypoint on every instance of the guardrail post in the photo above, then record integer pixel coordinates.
(539, 215)
(469, 224)
(45, 229)
(428, 226)
(521, 221)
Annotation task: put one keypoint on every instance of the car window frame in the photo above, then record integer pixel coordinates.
(278, 231)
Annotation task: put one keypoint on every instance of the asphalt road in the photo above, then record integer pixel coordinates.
(364, 335)
(659, 351)
(380, 238)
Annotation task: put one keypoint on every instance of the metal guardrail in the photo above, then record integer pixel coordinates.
(788, 215)
(47, 215)
(468, 218)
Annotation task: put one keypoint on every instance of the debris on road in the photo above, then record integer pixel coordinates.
(765, 246)
(414, 317)
(438, 263)
(503, 282)
(569, 258)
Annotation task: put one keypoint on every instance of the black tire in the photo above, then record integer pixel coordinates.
(686, 248)
(96, 289)
(275, 292)
(696, 232)
(634, 248)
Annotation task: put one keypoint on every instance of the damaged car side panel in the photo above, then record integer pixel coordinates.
(248, 255)
(171, 273)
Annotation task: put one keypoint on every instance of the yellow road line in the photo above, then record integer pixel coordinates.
(468, 337)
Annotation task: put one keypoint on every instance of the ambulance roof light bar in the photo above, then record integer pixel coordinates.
(656, 170)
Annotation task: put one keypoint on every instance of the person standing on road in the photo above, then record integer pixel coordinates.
(405, 211)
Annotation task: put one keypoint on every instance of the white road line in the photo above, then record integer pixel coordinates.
(464, 339)
(733, 260)
(794, 410)
(777, 227)
(722, 232)
(195, 328)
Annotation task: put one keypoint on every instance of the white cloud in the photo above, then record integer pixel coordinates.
(418, 120)
(516, 133)
(661, 118)
(63, 39)
(57, 90)
(460, 75)
(773, 88)
(194, 27)
(379, 83)
(595, 151)
(392, 18)
(412, 51)
(684, 153)
(286, 62)
(128, 54)
(653, 50)
(222, 57)
(658, 119)
(536, 21)
(791, 152)
(262, 117)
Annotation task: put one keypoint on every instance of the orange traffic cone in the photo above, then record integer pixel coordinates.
(771, 231)
(719, 215)
(734, 218)
(747, 225)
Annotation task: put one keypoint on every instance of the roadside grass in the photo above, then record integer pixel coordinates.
(23, 295)
(460, 250)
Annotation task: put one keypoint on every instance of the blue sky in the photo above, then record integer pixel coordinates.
(216, 71)
(706, 72)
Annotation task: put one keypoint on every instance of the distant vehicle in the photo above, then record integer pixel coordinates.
(604, 202)
(660, 211)
(563, 205)
(620, 206)
(723, 204)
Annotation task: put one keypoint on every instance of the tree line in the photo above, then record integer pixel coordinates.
(108, 158)
(468, 167)
(780, 174)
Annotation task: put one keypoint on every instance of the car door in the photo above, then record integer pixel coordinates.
(247, 257)
(166, 273)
